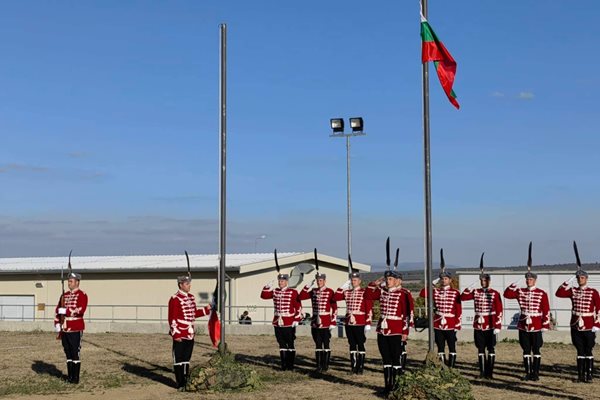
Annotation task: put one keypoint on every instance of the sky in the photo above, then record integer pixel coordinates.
(109, 128)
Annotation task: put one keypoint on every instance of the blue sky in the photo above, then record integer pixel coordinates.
(109, 128)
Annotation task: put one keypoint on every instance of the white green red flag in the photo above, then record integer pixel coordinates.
(434, 50)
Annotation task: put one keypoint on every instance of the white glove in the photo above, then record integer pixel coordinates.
(57, 328)
(572, 280)
(294, 324)
(347, 285)
(367, 328)
(309, 285)
(435, 281)
(544, 329)
(331, 327)
(595, 329)
(270, 284)
(496, 331)
(62, 311)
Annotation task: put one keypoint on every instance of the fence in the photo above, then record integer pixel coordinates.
(260, 314)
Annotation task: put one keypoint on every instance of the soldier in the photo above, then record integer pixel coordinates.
(585, 319)
(323, 320)
(534, 319)
(69, 323)
(182, 315)
(286, 317)
(396, 311)
(448, 314)
(357, 320)
(487, 322)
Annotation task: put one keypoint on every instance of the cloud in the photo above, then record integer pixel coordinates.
(497, 94)
(23, 168)
(526, 95)
(26, 171)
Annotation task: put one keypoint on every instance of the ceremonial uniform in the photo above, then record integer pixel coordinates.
(359, 311)
(396, 308)
(585, 322)
(534, 318)
(446, 321)
(69, 322)
(486, 324)
(286, 317)
(182, 315)
(324, 314)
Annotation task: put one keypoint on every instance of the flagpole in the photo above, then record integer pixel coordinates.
(427, 166)
(223, 182)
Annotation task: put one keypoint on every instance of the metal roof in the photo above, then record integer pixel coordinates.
(243, 263)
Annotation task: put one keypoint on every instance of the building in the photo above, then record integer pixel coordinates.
(547, 280)
(137, 288)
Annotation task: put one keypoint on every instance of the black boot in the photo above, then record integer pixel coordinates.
(290, 359)
(319, 360)
(589, 369)
(527, 365)
(489, 367)
(69, 377)
(387, 377)
(451, 360)
(535, 370)
(178, 369)
(395, 372)
(186, 374)
(442, 357)
(354, 362)
(581, 364)
(76, 368)
(403, 361)
(283, 357)
(325, 359)
(481, 363)
(361, 362)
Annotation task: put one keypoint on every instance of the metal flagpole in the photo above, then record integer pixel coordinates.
(349, 208)
(428, 263)
(223, 183)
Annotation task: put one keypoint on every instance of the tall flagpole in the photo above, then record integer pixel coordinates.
(223, 183)
(426, 158)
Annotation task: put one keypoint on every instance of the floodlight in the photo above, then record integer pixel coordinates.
(337, 125)
(356, 124)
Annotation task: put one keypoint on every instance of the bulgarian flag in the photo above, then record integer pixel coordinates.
(434, 50)
(214, 325)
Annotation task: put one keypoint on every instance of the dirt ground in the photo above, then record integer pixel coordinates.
(137, 366)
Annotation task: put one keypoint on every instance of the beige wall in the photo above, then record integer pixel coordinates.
(154, 289)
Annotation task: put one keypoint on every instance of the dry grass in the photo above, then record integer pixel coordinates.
(136, 366)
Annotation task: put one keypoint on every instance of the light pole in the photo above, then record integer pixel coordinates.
(256, 239)
(337, 126)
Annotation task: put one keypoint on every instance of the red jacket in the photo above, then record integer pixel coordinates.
(76, 302)
(488, 308)
(448, 309)
(182, 315)
(287, 306)
(535, 309)
(324, 307)
(396, 308)
(359, 310)
(585, 302)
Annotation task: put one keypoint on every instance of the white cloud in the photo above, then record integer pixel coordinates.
(497, 94)
(526, 95)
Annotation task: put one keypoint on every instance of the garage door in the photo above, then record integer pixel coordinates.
(16, 308)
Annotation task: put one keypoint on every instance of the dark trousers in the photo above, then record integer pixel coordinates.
(390, 348)
(445, 337)
(321, 337)
(485, 340)
(182, 351)
(356, 337)
(531, 342)
(583, 341)
(285, 336)
(71, 342)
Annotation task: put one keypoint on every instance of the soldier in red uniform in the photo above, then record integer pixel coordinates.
(534, 319)
(487, 322)
(182, 315)
(357, 320)
(396, 316)
(585, 319)
(70, 310)
(448, 314)
(286, 318)
(324, 313)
